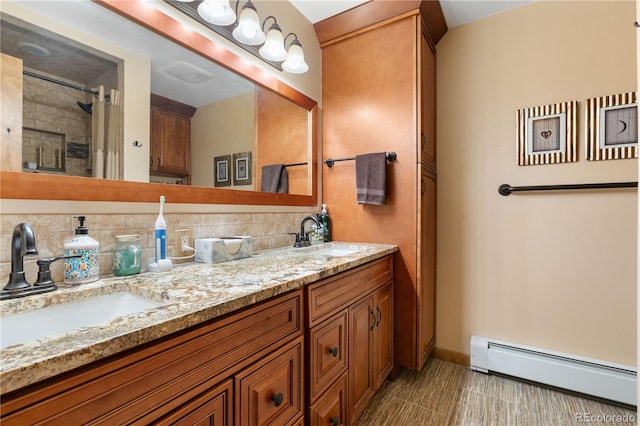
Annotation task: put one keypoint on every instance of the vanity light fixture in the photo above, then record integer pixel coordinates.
(295, 63)
(217, 12)
(248, 30)
(244, 29)
(273, 48)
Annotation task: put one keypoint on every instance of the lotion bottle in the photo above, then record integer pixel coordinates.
(86, 268)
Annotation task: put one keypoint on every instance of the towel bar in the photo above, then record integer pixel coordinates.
(391, 157)
(506, 189)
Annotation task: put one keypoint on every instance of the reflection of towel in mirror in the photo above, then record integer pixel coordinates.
(371, 178)
(274, 179)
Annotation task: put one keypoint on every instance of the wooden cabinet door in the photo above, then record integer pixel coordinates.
(427, 265)
(427, 101)
(171, 142)
(383, 334)
(331, 409)
(212, 408)
(11, 114)
(328, 357)
(361, 325)
(270, 392)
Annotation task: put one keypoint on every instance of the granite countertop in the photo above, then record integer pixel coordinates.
(190, 294)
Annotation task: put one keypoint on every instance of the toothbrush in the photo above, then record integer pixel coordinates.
(160, 235)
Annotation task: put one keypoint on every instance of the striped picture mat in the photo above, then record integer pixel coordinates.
(526, 117)
(619, 139)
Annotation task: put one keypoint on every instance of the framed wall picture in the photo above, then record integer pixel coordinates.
(222, 170)
(611, 127)
(242, 168)
(546, 134)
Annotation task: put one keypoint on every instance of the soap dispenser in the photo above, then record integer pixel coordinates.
(325, 221)
(86, 268)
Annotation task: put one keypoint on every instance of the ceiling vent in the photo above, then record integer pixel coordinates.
(33, 49)
(187, 72)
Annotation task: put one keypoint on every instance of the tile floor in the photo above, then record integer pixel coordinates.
(444, 393)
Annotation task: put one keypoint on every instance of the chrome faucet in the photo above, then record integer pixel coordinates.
(302, 239)
(23, 243)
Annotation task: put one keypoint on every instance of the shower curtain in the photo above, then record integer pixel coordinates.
(114, 133)
(106, 134)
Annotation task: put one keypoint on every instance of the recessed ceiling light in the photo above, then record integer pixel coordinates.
(33, 49)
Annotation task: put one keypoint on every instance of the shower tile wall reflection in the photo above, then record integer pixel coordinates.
(51, 118)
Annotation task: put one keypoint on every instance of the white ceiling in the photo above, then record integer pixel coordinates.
(456, 12)
(88, 16)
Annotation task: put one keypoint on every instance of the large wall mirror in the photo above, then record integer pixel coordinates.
(238, 118)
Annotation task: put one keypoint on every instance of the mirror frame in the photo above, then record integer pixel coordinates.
(38, 186)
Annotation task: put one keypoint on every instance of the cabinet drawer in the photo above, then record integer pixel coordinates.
(147, 383)
(332, 408)
(328, 356)
(329, 296)
(270, 392)
(212, 408)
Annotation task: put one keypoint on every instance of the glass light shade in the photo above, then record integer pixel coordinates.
(295, 63)
(217, 12)
(248, 30)
(273, 48)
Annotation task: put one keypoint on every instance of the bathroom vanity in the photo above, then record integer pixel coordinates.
(288, 336)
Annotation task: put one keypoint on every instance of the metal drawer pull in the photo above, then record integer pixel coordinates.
(380, 314)
(277, 399)
(335, 421)
(373, 325)
(333, 352)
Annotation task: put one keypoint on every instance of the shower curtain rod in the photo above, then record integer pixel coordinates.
(506, 189)
(63, 83)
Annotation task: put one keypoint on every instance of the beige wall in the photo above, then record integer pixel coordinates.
(225, 127)
(555, 270)
(638, 235)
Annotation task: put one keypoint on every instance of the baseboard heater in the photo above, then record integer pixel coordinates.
(602, 379)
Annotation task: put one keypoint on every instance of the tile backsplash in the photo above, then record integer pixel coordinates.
(269, 230)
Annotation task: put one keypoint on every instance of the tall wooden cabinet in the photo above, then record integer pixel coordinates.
(170, 153)
(378, 79)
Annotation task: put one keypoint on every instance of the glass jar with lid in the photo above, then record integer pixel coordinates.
(127, 255)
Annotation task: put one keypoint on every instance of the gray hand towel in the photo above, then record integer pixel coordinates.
(371, 178)
(274, 179)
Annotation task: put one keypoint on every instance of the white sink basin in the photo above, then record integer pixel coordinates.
(67, 317)
(330, 249)
(335, 252)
